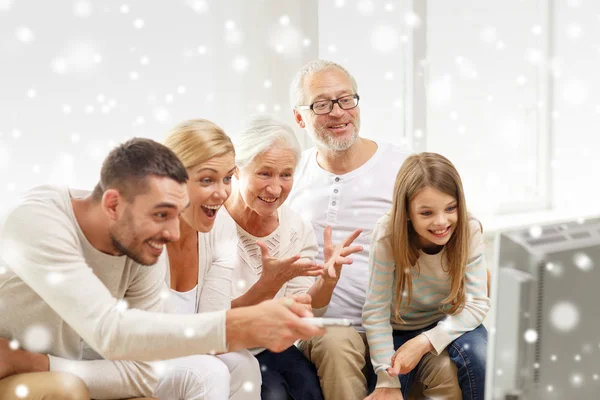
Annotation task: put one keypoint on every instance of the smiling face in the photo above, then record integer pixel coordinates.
(266, 182)
(338, 130)
(208, 188)
(150, 221)
(434, 216)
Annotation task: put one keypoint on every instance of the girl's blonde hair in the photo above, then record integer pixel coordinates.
(198, 140)
(418, 172)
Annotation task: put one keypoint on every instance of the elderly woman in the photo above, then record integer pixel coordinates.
(277, 247)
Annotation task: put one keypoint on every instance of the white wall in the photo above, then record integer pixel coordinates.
(78, 77)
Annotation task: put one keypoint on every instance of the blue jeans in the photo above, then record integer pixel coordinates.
(288, 376)
(468, 353)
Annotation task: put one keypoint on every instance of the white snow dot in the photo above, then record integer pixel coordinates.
(144, 60)
(564, 316)
(54, 278)
(531, 336)
(412, 20)
(124, 8)
(577, 357)
(499, 372)
(389, 75)
(164, 294)
(161, 114)
(267, 83)
(16, 133)
(122, 305)
(331, 48)
(5, 5)
(181, 89)
(576, 380)
(306, 42)
(365, 7)
(488, 34)
(500, 45)
(36, 169)
(248, 386)
(138, 23)
(188, 332)
(200, 6)
(229, 25)
(389, 7)
(340, 3)
(550, 388)
(37, 338)
(13, 344)
(276, 107)
(169, 98)
(59, 65)
(385, 39)
(553, 357)
(21, 391)
(536, 365)
(595, 377)
(89, 109)
(240, 63)
(31, 93)
(583, 262)
(202, 49)
(284, 20)
(134, 75)
(521, 80)
(241, 284)
(82, 9)
(535, 231)
(574, 31)
(24, 34)
(10, 186)
(536, 30)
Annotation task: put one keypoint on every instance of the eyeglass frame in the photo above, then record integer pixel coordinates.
(332, 102)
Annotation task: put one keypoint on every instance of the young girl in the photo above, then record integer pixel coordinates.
(427, 268)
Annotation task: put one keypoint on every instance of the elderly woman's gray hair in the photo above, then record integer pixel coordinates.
(259, 134)
(296, 86)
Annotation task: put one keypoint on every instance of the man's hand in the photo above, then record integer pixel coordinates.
(274, 324)
(336, 256)
(385, 394)
(276, 272)
(20, 361)
(406, 358)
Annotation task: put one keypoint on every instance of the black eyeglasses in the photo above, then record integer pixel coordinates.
(325, 106)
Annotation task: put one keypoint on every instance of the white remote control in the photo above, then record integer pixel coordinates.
(324, 322)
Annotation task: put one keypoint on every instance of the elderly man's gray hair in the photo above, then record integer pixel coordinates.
(296, 93)
(259, 134)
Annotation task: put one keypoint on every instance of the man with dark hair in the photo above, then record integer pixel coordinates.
(74, 281)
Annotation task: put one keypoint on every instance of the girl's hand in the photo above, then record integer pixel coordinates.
(406, 358)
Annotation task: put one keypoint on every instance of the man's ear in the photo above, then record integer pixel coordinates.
(111, 199)
(299, 119)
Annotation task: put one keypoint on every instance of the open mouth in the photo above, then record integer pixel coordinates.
(269, 200)
(156, 247)
(210, 211)
(338, 127)
(440, 232)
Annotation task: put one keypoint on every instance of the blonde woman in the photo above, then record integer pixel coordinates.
(427, 265)
(200, 266)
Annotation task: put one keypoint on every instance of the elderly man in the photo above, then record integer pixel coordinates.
(75, 279)
(346, 182)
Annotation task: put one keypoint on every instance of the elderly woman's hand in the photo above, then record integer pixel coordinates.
(276, 272)
(336, 256)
